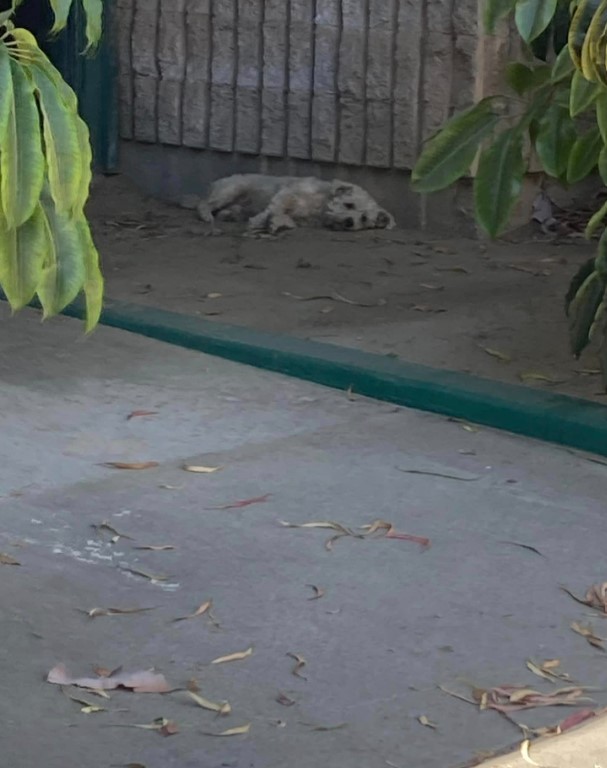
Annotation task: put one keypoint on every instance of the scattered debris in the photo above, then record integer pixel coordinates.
(146, 681)
(428, 308)
(136, 414)
(439, 474)
(300, 663)
(201, 470)
(524, 546)
(525, 753)
(526, 376)
(161, 725)
(93, 613)
(200, 611)
(326, 728)
(239, 731)
(222, 708)
(588, 633)
(8, 559)
(285, 700)
(385, 530)
(234, 656)
(318, 592)
(423, 720)
(461, 270)
(144, 574)
(106, 527)
(501, 356)
(156, 547)
(336, 297)
(595, 597)
(130, 465)
(244, 502)
(511, 698)
(548, 670)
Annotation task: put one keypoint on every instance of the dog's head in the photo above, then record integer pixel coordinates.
(349, 207)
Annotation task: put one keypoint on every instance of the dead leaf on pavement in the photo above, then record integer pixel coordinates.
(461, 270)
(575, 719)
(588, 633)
(326, 728)
(156, 547)
(379, 526)
(106, 527)
(526, 376)
(244, 502)
(523, 546)
(161, 725)
(222, 708)
(423, 720)
(548, 670)
(240, 731)
(145, 574)
(106, 672)
(510, 698)
(432, 286)
(130, 465)
(501, 356)
(201, 470)
(427, 308)
(8, 559)
(300, 663)
(234, 656)
(135, 414)
(318, 592)
(439, 474)
(93, 613)
(595, 597)
(200, 611)
(86, 707)
(146, 681)
(283, 699)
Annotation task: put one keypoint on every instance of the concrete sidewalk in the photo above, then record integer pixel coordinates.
(395, 621)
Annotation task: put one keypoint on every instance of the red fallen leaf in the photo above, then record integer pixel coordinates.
(140, 682)
(576, 718)
(422, 540)
(135, 414)
(244, 502)
(130, 464)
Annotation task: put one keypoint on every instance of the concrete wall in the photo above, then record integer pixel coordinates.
(305, 86)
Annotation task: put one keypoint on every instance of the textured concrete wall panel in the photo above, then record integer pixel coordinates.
(249, 76)
(123, 27)
(301, 79)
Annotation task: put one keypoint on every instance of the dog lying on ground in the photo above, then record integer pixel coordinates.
(271, 204)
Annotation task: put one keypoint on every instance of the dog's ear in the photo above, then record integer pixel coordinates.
(384, 220)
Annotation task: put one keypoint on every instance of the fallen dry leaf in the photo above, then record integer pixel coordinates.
(8, 559)
(105, 526)
(428, 308)
(326, 728)
(548, 670)
(145, 574)
(135, 414)
(130, 465)
(300, 663)
(318, 592)
(244, 502)
(526, 376)
(234, 656)
(283, 699)
(461, 270)
(470, 428)
(439, 474)
(390, 533)
(523, 546)
(156, 547)
(105, 671)
(240, 731)
(588, 633)
(425, 721)
(336, 297)
(201, 470)
(200, 611)
(85, 706)
(432, 286)
(214, 295)
(501, 356)
(222, 708)
(525, 752)
(575, 719)
(146, 681)
(510, 698)
(161, 725)
(93, 613)
(595, 597)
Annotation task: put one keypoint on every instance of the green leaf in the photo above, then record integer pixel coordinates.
(602, 165)
(93, 279)
(533, 16)
(563, 67)
(64, 271)
(61, 11)
(583, 94)
(496, 10)
(61, 142)
(449, 154)
(22, 255)
(584, 155)
(86, 159)
(6, 91)
(94, 21)
(595, 221)
(21, 157)
(555, 139)
(583, 309)
(522, 78)
(498, 181)
(5, 16)
(600, 263)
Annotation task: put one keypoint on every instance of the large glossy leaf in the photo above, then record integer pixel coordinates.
(601, 115)
(595, 221)
(21, 157)
(64, 271)
(563, 66)
(93, 279)
(555, 139)
(448, 155)
(533, 16)
(522, 78)
(583, 309)
(6, 91)
(61, 142)
(496, 10)
(600, 263)
(22, 255)
(602, 165)
(583, 94)
(94, 21)
(498, 181)
(584, 155)
(61, 11)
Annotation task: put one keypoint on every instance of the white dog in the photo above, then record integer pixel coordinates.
(273, 203)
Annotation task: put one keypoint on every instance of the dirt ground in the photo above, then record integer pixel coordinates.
(494, 310)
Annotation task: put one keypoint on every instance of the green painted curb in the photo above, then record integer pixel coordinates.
(551, 417)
